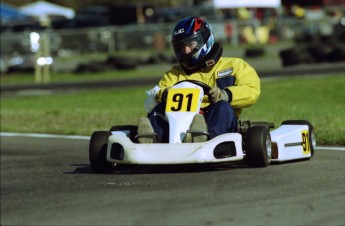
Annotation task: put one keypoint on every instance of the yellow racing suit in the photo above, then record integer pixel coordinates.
(233, 74)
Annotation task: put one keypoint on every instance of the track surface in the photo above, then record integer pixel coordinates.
(48, 181)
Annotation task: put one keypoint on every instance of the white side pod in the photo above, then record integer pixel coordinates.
(290, 142)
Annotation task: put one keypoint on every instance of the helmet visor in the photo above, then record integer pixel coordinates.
(194, 43)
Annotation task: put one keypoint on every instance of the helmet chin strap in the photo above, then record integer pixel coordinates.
(209, 61)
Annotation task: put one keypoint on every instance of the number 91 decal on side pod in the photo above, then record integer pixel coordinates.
(182, 100)
(305, 142)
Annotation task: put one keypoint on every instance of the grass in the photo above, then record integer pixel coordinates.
(317, 99)
(56, 77)
(72, 113)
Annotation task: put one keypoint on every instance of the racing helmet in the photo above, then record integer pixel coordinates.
(192, 30)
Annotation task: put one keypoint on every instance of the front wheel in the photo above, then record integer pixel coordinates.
(98, 152)
(258, 146)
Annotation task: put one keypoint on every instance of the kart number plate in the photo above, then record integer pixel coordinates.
(182, 100)
(305, 142)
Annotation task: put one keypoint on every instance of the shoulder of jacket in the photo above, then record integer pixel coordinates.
(175, 70)
(231, 60)
(227, 62)
(234, 62)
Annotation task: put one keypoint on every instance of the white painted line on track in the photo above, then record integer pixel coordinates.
(76, 137)
(44, 136)
(320, 148)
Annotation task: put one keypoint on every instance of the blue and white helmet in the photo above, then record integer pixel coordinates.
(186, 31)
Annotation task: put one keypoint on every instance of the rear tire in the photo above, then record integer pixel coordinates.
(98, 152)
(258, 146)
(294, 56)
(312, 139)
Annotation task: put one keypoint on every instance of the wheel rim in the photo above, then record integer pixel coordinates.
(313, 139)
(268, 147)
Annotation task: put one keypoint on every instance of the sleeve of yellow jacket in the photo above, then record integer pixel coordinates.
(169, 79)
(246, 90)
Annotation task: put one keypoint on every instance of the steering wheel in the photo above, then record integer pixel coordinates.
(204, 86)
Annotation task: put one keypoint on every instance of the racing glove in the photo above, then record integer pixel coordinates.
(215, 94)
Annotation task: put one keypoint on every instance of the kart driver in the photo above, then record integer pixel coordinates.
(235, 84)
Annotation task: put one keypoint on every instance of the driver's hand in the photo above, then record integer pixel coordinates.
(215, 94)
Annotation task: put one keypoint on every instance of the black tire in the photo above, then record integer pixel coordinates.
(312, 140)
(338, 53)
(90, 67)
(122, 63)
(319, 51)
(258, 146)
(254, 52)
(294, 56)
(98, 151)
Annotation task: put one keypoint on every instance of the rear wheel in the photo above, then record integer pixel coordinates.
(258, 146)
(98, 152)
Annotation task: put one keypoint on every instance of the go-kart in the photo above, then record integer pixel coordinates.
(254, 144)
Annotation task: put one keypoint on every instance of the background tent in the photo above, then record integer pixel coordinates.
(9, 14)
(227, 4)
(43, 9)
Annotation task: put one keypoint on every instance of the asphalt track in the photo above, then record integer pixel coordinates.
(48, 181)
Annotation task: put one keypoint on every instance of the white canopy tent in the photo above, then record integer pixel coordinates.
(227, 4)
(44, 9)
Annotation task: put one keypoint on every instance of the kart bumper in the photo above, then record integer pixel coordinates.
(224, 148)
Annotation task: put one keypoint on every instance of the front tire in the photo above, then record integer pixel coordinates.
(258, 146)
(98, 152)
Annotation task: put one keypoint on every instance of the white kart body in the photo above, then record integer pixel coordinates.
(287, 145)
(177, 153)
(288, 142)
(179, 121)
